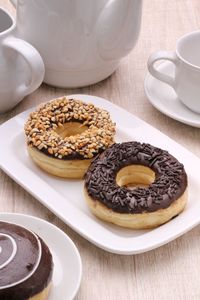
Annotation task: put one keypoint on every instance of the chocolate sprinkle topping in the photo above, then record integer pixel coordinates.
(169, 184)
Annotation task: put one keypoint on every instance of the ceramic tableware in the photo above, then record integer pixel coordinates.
(81, 42)
(163, 97)
(67, 271)
(186, 60)
(21, 66)
(65, 197)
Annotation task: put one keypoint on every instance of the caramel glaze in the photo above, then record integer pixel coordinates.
(170, 178)
(23, 263)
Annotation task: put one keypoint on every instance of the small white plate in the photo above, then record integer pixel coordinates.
(65, 197)
(164, 98)
(67, 262)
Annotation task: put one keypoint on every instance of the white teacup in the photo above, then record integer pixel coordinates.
(186, 60)
(81, 41)
(21, 66)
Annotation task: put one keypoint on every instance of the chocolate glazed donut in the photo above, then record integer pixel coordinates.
(160, 180)
(25, 264)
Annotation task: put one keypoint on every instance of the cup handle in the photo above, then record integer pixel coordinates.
(14, 2)
(34, 61)
(162, 55)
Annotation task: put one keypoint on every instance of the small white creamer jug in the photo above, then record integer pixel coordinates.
(21, 66)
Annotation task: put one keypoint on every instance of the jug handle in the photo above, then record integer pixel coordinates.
(14, 2)
(33, 60)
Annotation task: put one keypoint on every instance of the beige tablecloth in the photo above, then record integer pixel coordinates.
(171, 271)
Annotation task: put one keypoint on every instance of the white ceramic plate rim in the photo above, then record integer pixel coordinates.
(39, 226)
(86, 225)
(185, 115)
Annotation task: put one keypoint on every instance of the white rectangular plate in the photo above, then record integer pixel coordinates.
(65, 197)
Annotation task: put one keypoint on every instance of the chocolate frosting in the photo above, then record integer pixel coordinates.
(72, 156)
(169, 184)
(25, 263)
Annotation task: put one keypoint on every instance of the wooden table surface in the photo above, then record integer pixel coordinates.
(171, 271)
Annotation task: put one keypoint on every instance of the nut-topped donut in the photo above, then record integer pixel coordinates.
(160, 185)
(64, 135)
(25, 264)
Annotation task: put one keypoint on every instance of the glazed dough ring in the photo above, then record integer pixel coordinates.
(64, 135)
(163, 197)
(26, 264)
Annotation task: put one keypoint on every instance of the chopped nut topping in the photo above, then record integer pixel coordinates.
(41, 126)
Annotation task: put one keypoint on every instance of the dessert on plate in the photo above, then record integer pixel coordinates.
(159, 179)
(65, 135)
(26, 264)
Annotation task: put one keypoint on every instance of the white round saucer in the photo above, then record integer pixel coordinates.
(164, 98)
(67, 262)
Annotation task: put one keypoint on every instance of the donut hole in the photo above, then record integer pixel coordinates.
(70, 129)
(135, 176)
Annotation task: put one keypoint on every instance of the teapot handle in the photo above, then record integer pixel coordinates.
(14, 2)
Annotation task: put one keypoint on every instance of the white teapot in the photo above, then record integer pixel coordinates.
(80, 41)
